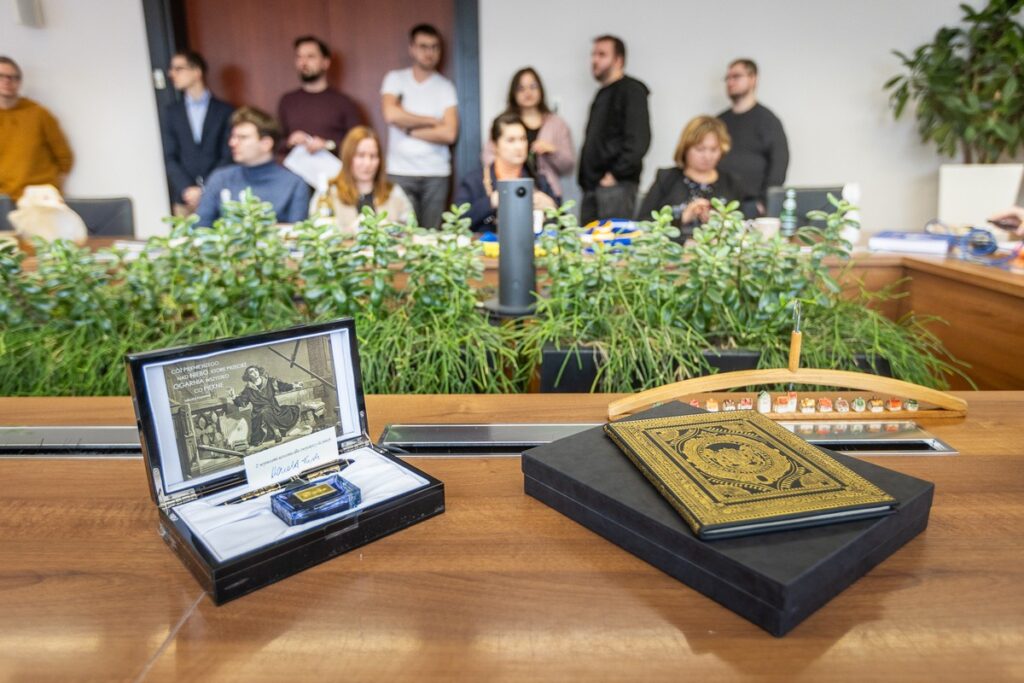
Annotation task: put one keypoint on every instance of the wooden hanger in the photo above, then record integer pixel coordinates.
(946, 404)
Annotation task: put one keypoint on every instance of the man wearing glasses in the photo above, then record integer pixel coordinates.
(760, 154)
(421, 109)
(33, 150)
(195, 133)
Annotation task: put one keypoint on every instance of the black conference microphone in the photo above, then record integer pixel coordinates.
(517, 276)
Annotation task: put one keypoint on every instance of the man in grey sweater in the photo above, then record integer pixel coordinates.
(760, 154)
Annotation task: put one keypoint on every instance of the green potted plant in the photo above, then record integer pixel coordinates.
(436, 339)
(740, 291)
(965, 84)
(65, 326)
(655, 312)
(608, 319)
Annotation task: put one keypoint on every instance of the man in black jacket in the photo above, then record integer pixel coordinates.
(195, 133)
(617, 138)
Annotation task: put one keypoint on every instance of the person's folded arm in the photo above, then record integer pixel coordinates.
(563, 158)
(395, 115)
(444, 133)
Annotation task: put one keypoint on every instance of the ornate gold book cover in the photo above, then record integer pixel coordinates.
(738, 473)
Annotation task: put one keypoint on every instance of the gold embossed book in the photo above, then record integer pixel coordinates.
(739, 473)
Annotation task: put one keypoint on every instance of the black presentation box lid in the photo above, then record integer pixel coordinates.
(283, 404)
(186, 398)
(775, 580)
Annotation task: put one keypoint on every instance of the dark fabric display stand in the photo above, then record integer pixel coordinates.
(775, 580)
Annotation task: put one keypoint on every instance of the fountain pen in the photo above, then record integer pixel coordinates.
(294, 482)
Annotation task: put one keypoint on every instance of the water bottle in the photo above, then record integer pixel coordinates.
(787, 217)
(323, 210)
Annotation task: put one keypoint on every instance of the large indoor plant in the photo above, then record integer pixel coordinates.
(965, 84)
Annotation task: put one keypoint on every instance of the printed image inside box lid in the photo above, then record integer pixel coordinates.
(204, 409)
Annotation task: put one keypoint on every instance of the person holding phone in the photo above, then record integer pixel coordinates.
(479, 188)
(1010, 219)
(689, 186)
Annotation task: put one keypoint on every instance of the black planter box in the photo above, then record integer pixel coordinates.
(775, 580)
(568, 370)
(574, 370)
(211, 513)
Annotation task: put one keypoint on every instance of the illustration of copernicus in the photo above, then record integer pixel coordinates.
(270, 419)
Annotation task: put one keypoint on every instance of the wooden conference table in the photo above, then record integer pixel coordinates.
(498, 587)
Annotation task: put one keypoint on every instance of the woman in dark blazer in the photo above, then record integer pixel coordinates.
(689, 185)
(479, 188)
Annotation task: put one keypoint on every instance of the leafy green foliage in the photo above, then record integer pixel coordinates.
(966, 84)
(648, 310)
(739, 288)
(623, 303)
(436, 339)
(345, 276)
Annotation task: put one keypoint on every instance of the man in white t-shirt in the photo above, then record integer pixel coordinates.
(421, 109)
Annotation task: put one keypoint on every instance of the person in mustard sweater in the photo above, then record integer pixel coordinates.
(34, 150)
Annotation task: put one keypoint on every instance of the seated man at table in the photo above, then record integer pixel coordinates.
(254, 135)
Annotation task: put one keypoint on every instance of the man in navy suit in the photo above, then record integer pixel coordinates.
(195, 132)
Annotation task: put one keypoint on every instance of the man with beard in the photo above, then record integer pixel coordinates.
(316, 115)
(617, 138)
(760, 154)
(270, 419)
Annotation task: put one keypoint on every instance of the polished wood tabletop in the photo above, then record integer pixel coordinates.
(499, 587)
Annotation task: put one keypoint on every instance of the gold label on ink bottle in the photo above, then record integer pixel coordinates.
(314, 492)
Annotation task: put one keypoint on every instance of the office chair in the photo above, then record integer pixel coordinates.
(105, 216)
(6, 206)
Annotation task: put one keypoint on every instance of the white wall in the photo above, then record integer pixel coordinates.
(822, 68)
(89, 65)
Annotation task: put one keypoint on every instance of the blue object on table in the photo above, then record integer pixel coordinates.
(316, 500)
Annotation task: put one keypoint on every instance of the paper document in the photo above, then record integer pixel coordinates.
(312, 167)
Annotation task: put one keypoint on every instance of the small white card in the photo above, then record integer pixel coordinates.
(292, 458)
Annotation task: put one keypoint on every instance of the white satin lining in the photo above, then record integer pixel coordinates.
(231, 530)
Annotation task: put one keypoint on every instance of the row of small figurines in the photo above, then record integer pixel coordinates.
(788, 403)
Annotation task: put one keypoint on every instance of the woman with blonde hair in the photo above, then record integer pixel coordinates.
(689, 185)
(363, 182)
